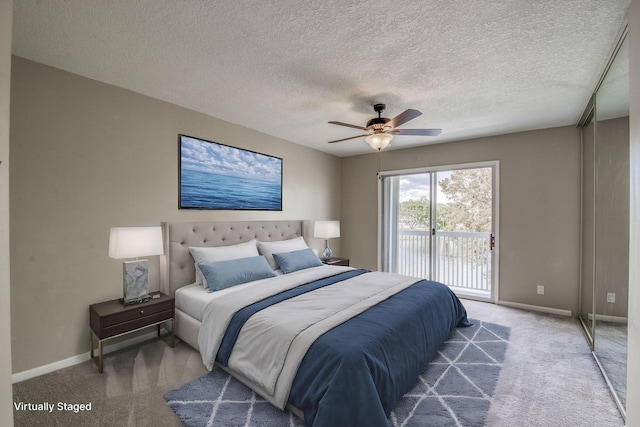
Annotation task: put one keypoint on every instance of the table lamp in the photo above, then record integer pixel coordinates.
(134, 242)
(327, 230)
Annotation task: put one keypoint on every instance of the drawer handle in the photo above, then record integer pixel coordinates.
(141, 311)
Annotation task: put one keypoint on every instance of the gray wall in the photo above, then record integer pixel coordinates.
(539, 214)
(633, 356)
(6, 404)
(87, 156)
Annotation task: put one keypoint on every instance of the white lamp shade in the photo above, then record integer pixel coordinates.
(133, 242)
(327, 229)
(379, 141)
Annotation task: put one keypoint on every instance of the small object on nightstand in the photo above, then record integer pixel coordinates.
(336, 261)
(112, 319)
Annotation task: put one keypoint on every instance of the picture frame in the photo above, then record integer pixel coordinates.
(221, 177)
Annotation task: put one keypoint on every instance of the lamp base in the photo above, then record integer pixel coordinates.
(135, 283)
(327, 253)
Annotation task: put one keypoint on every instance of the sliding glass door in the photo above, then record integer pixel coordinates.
(439, 225)
(407, 229)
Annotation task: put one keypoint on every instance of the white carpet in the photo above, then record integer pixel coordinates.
(549, 376)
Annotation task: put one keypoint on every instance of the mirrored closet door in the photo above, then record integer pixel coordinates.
(605, 221)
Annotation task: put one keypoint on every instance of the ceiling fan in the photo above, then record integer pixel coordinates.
(380, 130)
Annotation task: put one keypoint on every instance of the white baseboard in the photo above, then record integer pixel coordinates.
(80, 358)
(541, 309)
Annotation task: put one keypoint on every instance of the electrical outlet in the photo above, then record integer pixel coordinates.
(540, 290)
(611, 297)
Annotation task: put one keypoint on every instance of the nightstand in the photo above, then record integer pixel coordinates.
(111, 319)
(336, 261)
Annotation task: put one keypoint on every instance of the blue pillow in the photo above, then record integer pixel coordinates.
(297, 260)
(224, 274)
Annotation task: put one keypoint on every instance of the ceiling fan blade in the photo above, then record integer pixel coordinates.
(425, 132)
(345, 139)
(348, 125)
(403, 118)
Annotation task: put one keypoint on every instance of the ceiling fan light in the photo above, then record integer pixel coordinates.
(379, 141)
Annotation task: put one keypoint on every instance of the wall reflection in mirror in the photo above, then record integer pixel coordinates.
(605, 222)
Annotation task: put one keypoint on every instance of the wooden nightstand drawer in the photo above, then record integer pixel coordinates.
(111, 318)
(139, 322)
(135, 312)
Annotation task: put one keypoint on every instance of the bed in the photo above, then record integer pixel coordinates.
(335, 345)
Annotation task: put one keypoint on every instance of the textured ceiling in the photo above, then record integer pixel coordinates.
(287, 67)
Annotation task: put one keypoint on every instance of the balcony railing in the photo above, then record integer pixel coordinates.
(461, 260)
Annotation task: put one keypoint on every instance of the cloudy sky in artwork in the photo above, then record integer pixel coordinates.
(205, 156)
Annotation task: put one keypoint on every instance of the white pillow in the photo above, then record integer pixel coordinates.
(221, 253)
(269, 248)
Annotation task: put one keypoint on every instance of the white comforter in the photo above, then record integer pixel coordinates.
(273, 342)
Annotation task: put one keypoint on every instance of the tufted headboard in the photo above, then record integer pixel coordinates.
(176, 265)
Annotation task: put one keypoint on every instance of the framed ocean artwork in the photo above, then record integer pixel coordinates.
(218, 176)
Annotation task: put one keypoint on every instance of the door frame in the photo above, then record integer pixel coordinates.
(495, 214)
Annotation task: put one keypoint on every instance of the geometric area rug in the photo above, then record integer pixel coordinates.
(454, 390)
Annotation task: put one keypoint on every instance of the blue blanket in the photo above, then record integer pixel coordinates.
(355, 374)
